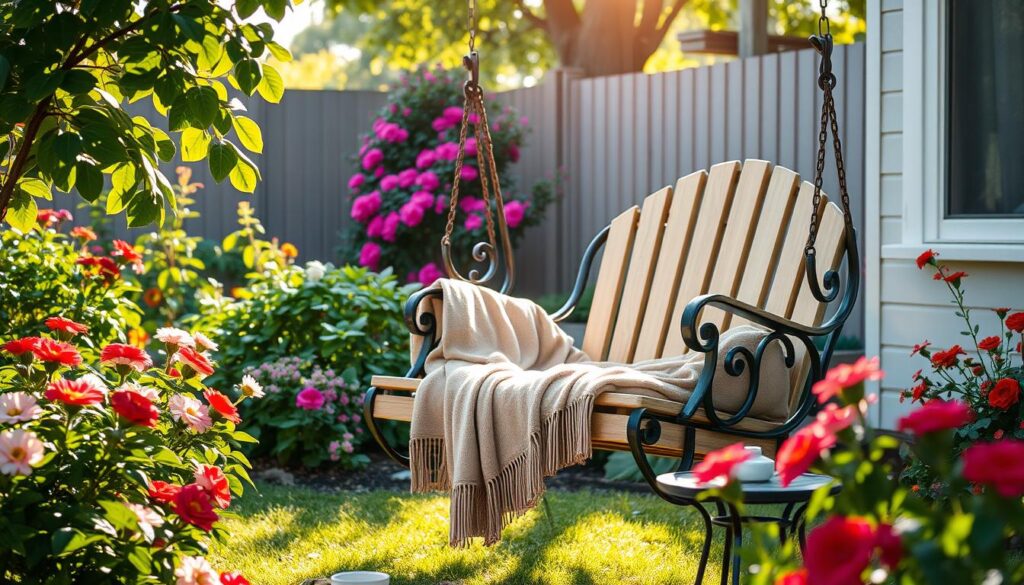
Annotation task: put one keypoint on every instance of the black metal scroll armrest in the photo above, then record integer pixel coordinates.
(422, 322)
(582, 276)
(739, 359)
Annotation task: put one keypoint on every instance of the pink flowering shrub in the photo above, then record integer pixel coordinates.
(402, 182)
(309, 414)
(113, 470)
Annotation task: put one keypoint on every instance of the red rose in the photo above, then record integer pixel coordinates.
(222, 404)
(948, 358)
(997, 465)
(104, 267)
(195, 361)
(21, 346)
(846, 376)
(135, 408)
(917, 392)
(989, 343)
(129, 356)
(889, 544)
(926, 257)
(801, 450)
(838, 551)
(67, 326)
(936, 415)
(233, 578)
(126, 252)
(1001, 311)
(81, 392)
(212, 479)
(1015, 322)
(1004, 394)
(955, 277)
(161, 491)
(53, 351)
(720, 463)
(194, 505)
(794, 577)
(919, 347)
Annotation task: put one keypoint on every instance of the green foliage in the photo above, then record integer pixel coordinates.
(308, 436)
(67, 68)
(554, 301)
(40, 277)
(415, 136)
(81, 510)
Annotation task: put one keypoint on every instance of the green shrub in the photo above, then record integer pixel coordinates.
(41, 276)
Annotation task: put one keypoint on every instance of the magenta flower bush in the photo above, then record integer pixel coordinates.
(400, 190)
(308, 415)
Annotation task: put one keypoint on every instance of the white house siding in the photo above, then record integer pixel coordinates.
(904, 305)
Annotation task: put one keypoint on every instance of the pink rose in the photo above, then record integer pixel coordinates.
(369, 255)
(524, 121)
(372, 158)
(469, 173)
(411, 214)
(422, 199)
(441, 124)
(356, 181)
(453, 114)
(474, 222)
(375, 228)
(309, 399)
(390, 230)
(366, 206)
(429, 77)
(473, 118)
(513, 153)
(407, 177)
(389, 183)
(406, 112)
(393, 108)
(379, 172)
(471, 204)
(429, 273)
(471, 146)
(447, 151)
(515, 211)
(441, 204)
(425, 159)
(428, 181)
(393, 133)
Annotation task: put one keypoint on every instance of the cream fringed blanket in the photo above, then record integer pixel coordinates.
(506, 401)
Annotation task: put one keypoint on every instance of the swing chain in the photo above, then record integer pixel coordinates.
(827, 81)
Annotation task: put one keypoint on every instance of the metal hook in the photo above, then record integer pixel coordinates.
(824, 45)
(472, 64)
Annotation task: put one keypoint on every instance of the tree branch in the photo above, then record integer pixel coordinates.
(667, 23)
(530, 17)
(18, 166)
(93, 49)
(562, 14)
(649, 18)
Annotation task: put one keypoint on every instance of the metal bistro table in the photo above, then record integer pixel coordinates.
(683, 489)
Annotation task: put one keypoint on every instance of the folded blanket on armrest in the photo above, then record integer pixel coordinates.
(506, 401)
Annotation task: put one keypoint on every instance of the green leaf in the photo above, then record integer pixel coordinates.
(42, 85)
(271, 87)
(88, 181)
(195, 144)
(210, 52)
(22, 212)
(244, 176)
(78, 81)
(36, 188)
(248, 74)
(280, 53)
(248, 133)
(144, 208)
(5, 70)
(203, 105)
(246, 8)
(222, 159)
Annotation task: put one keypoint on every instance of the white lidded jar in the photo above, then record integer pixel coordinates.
(756, 468)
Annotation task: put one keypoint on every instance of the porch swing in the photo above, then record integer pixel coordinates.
(724, 247)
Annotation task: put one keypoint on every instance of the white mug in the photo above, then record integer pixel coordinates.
(360, 578)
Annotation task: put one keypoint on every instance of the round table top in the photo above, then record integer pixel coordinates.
(684, 485)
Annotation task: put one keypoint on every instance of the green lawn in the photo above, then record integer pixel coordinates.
(285, 535)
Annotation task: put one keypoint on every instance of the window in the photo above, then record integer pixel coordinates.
(985, 121)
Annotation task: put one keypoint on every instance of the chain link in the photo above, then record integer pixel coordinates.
(472, 25)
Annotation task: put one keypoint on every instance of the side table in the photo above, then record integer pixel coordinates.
(683, 489)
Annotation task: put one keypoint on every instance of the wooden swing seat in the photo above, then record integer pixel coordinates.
(722, 248)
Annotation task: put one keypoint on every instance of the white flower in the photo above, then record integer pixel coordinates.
(315, 270)
(204, 343)
(196, 571)
(175, 336)
(19, 452)
(250, 387)
(190, 411)
(96, 382)
(18, 407)
(151, 393)
(148, 519)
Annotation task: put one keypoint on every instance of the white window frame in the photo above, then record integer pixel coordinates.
(925, 159)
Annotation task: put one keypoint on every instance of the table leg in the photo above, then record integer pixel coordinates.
(799, 527)
(706, 550)
(736, 532)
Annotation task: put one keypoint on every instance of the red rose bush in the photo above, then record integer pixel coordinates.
(111, 470)
(983, 373)
(877, 529)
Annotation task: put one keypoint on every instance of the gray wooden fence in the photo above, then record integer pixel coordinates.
(612, 140)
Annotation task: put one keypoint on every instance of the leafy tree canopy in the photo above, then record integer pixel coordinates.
(67, 68)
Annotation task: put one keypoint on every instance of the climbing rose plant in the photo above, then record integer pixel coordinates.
(400, 191)
(984, 373)
(876, 530)
(112, 470)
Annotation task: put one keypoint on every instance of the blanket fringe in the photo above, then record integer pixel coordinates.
(428, 464)
(562, 440)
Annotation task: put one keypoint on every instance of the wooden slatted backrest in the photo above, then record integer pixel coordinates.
(738, 230)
